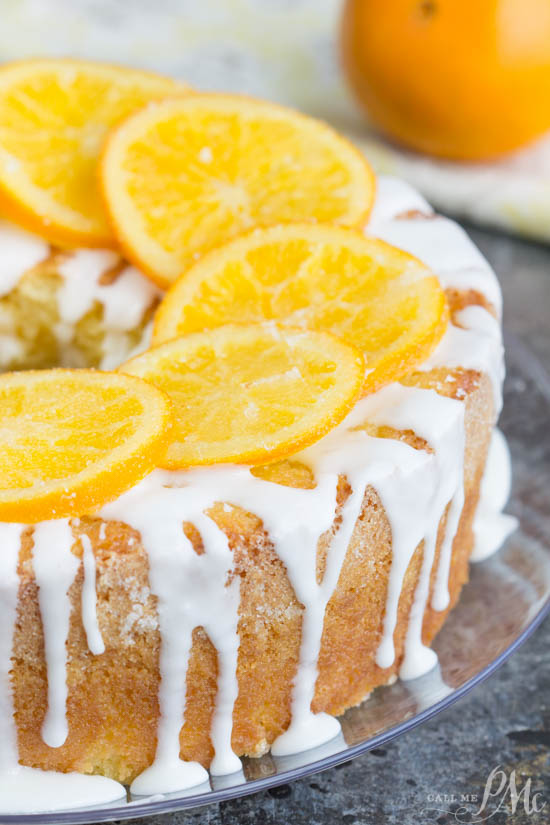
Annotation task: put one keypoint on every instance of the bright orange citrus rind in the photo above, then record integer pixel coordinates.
(73, 440)
(54, 115)
(182, 176)
(407, 64)
(378, 298)
(251, 394)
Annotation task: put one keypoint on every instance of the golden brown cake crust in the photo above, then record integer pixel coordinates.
(112, 703)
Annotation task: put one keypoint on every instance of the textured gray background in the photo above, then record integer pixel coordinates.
(505, 721)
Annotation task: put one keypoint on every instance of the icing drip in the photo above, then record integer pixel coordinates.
(415, 509)
(21, 251)
(475, 345)
(446, 248)
(28, 790)
(55, 568)
(89, 598)
(307, 730)
(193, 591)
(418, 658)
(440, 598)
(225, 594)
(491, 526)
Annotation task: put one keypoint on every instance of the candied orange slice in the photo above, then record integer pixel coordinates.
(252, 393)
(186, 175)
(382, 300)
(72, 440)
(54, 115)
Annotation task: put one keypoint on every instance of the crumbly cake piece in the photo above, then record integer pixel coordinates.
(51, 318)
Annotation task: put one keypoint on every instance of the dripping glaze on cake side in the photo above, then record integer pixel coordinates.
(419, 489)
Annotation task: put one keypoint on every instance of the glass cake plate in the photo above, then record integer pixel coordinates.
(506, 598)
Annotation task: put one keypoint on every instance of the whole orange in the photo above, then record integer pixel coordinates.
(463, 79)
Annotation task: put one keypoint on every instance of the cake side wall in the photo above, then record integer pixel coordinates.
(348, 671)
(112, 705)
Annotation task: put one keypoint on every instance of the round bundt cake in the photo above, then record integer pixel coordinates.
(210, 612)
(290, 592)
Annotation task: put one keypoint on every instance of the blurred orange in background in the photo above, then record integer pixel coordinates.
(461, 79)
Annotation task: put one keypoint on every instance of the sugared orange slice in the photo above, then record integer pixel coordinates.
(382, 300)
(72, 440)
(252, 393)
(183, 176)
(54, 115)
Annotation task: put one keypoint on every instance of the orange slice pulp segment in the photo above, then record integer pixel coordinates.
(54, 115)
(252, 393)
(72, 440)
(183, 176)
(378, 298)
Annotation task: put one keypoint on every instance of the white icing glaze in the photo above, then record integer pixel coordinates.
(440, 422)
(416, 487)
(187, 587)
(396, 197)
(124, 301)
(55, 568)
(20, 252)
(89, 598)
(491, 526)
(28, 790)
(439, 242)
(446, 249)
(475, 345)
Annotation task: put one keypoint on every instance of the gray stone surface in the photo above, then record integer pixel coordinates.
(505, 721)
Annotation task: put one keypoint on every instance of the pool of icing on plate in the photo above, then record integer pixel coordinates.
(415, 487)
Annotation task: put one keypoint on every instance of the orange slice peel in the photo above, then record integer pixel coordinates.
(54, 114)
(251, 394)
(72, 440)
(182, 176)
(376, 297)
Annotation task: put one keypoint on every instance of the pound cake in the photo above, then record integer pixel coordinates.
(298, 526)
